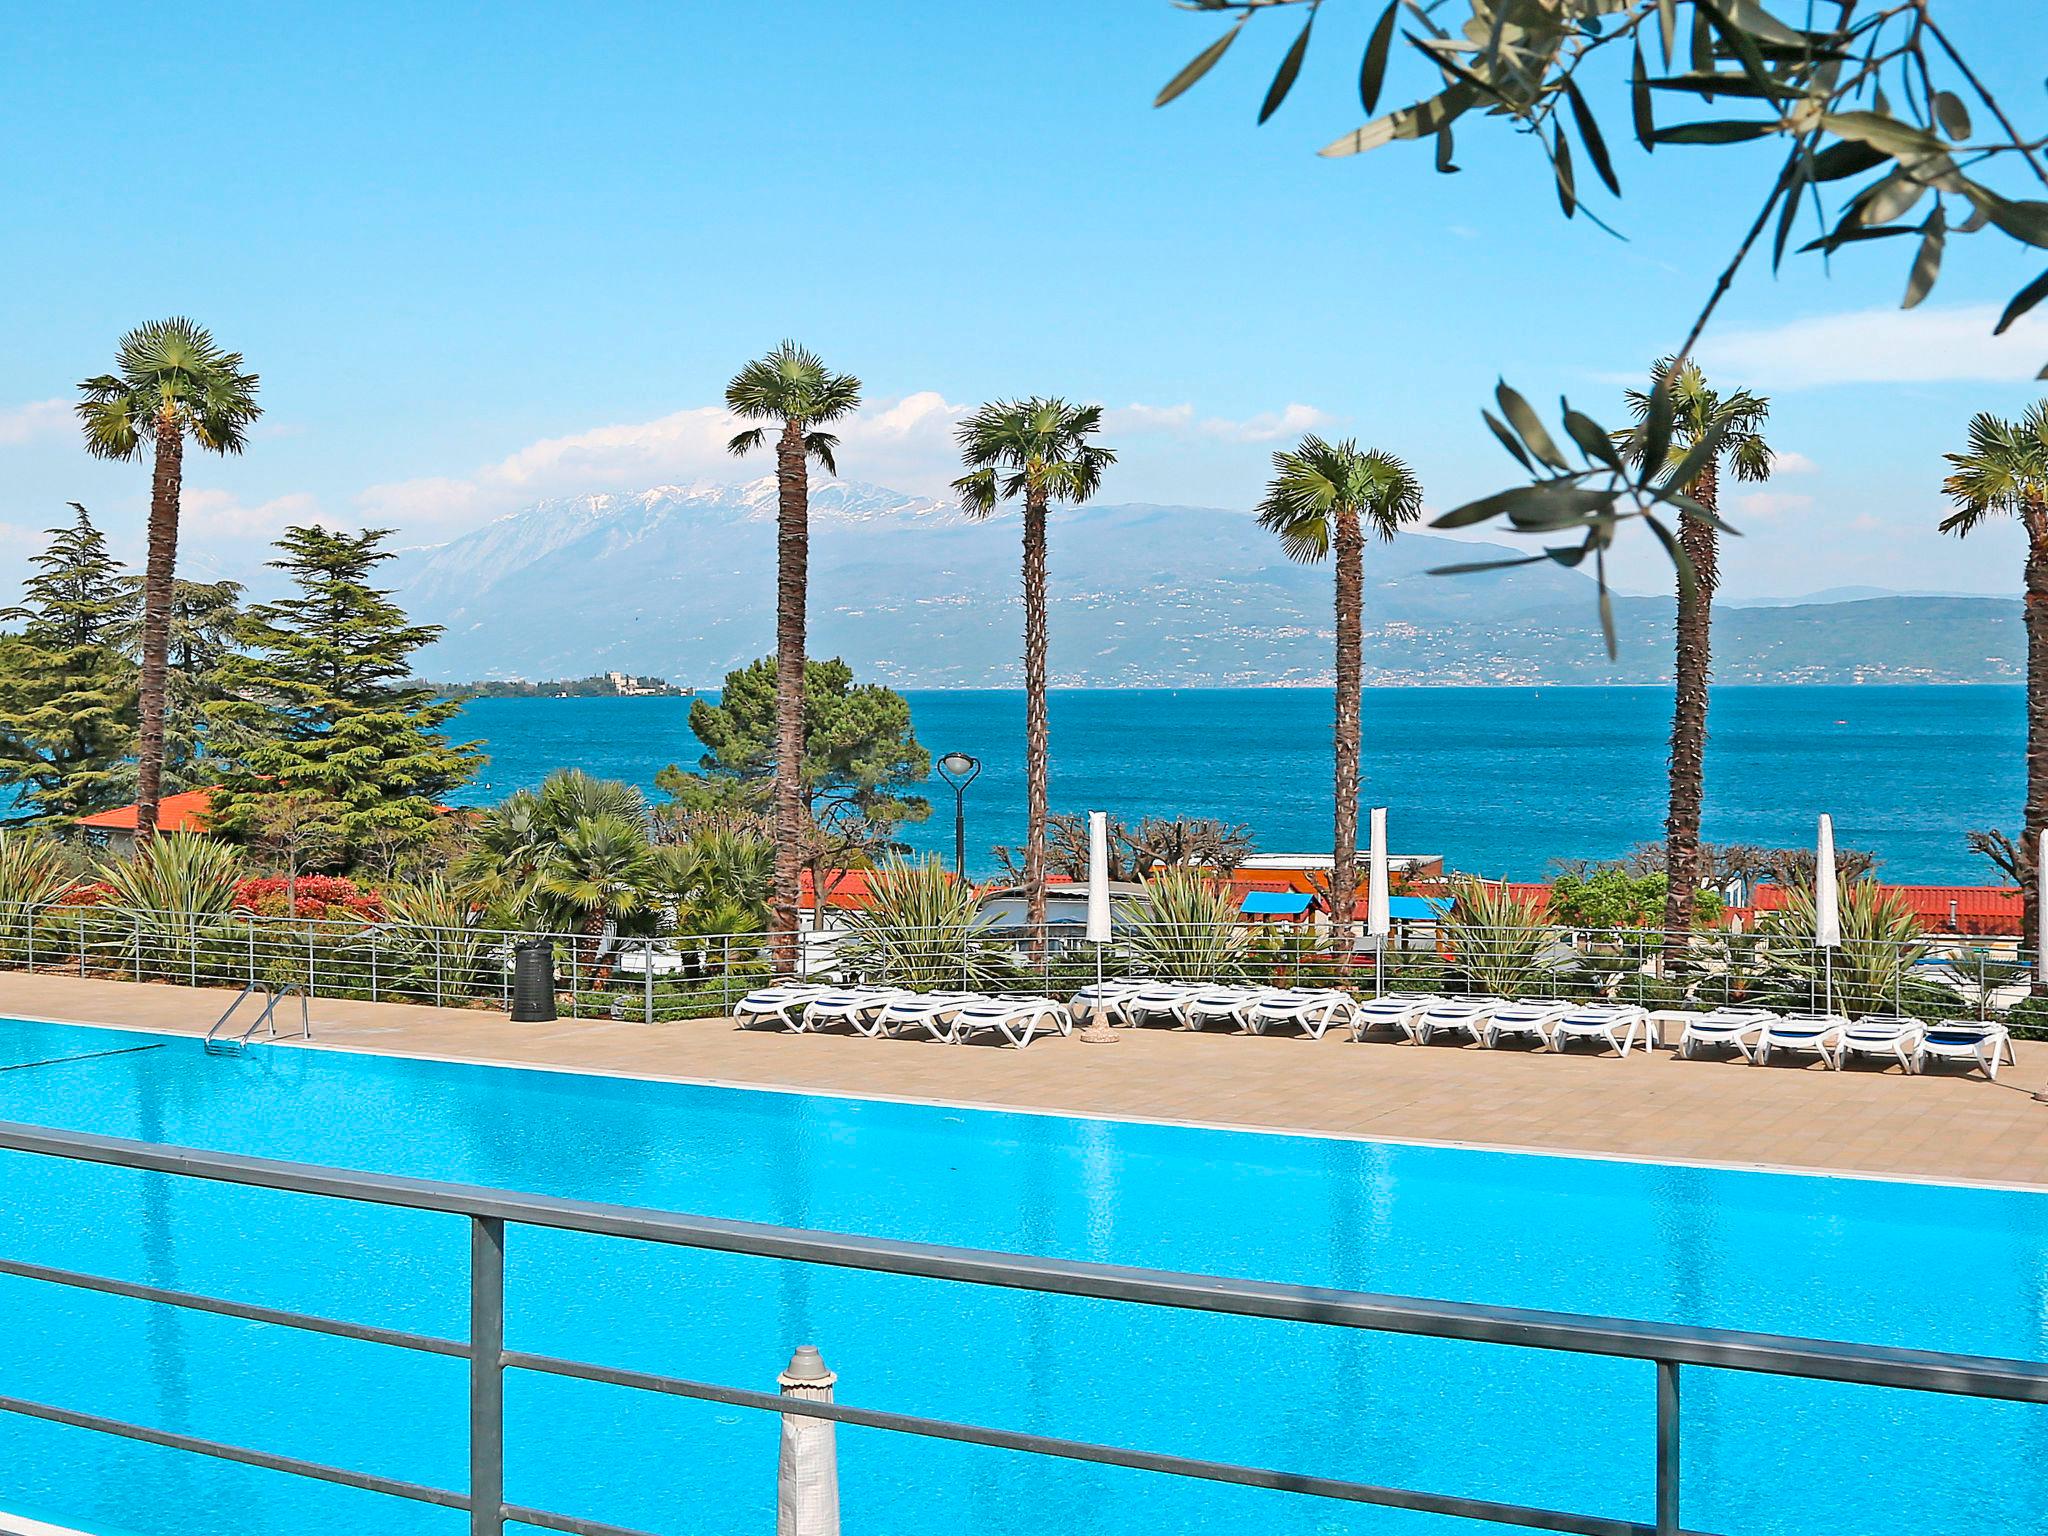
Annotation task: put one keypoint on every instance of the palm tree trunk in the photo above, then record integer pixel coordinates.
(1035, 729)
(1689, 717)
(792, 562)
(157, 584)
(2034, 517)
(593, 938)
(1350, 679)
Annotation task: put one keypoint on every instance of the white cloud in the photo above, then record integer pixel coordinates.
(1765, 504)
(39, 418)
(1179, 421)
(1882, 346)
(222, 514)
(1787, 462)
(905, 443)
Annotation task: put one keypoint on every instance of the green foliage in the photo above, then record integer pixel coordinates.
(599, 870)
(321, 704)
(34, 871)
(924, 930)
(206, 619)
(1866, 104)
(861, 756)
(1184, 925)
(1316, 483)
(67, 686)
(1015, 449)
(1872, 971)
(718, 880)
(539, 856)
(793, 388)
(2005, 469)
(170, 375)
(1499, 944)
(1611, 896)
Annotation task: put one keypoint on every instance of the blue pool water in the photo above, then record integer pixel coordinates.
(1927, 1266)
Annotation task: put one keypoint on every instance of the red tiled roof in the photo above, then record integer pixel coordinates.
(848, 889)
(185, 812)
(1980, 909)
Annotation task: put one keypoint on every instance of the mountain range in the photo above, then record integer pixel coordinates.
(678, 581)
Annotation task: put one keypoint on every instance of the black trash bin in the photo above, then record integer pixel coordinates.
(533, 981)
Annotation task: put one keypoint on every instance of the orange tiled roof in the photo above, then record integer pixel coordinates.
(185, 812)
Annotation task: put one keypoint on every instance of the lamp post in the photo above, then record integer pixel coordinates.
(959, 770)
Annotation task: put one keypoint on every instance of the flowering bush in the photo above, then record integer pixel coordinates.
(89, 894)
(317, 896)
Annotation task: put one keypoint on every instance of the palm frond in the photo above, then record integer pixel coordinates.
(822, 446)
(744, 443)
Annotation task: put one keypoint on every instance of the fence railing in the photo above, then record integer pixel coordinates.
(659, 977)
(1669, 1349)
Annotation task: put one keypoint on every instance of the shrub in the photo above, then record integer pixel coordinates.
(1184, 926)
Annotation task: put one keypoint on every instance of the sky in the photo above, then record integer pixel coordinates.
(483, 255)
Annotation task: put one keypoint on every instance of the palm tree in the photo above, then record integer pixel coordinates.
(600, 869)
(1325, 496)
(1735, 422)
(171, 380)
(792, 386)
(2006, 470)
(1039, 450)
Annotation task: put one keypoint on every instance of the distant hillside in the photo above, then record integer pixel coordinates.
(678, 581)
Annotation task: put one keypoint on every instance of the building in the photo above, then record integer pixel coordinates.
(115, 830)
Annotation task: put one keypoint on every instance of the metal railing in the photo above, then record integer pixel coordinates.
(1670, 1349)
(659, 977)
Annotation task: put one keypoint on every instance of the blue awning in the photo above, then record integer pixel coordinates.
(1276, 903)
(1411, 909)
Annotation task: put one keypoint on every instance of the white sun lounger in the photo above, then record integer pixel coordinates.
(1737, 1027)
(1105, 1000)
(1465, 1015)
(1314, 1009)
(930, 1011)
(1534, 1018)
(783, 1003)
(859, 1006)
(1016, 1019)
(1984, 1043)
(1818, 1033)
(1221, 1004)
(1619, 1025)
(1394, 1010)
(1880, 1034)
(1160, 1000)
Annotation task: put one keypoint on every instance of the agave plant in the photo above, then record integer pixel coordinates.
(1872, 971)
(171, 895)
(1499, 943)
(33, 873)
(1185, 926)
(924, 929)
(430, 931)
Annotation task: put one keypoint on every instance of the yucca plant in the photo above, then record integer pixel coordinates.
(1873, 969)
(431, 938)
(171, 895)
(1500, 945)
(1185, 926)
(33, 873)
(924, 929)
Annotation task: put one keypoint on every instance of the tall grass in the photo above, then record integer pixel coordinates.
(1185, 927)
(924, 930)
(1499, 945)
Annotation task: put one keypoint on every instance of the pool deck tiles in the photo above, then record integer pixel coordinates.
(1943, 1126)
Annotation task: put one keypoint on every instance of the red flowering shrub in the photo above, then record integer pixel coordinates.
(90, 894)
(318, 896)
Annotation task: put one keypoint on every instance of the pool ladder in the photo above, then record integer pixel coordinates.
(220, 1041)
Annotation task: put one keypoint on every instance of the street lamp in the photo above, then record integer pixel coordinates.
(959, 770)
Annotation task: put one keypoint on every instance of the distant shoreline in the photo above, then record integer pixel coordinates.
(1161, 688)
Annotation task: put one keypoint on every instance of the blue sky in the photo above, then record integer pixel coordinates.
(483, 254)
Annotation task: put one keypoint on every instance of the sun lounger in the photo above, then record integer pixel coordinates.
(1619, 1025)
(1016, 1019)
(1984, 1043)
(1533, 1019)
(1814, 1032)
(1160, 1000)
(859, 1006)
(1395, 1010)
(1461, 1015)
(930, 1011)
(1737, 1027)
(1314, 1009)
(1880, 1034)
(1105, 1000)
(783, 1003)
(1220, 1005)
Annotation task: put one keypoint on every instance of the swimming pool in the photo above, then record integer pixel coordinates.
(1932, 1267)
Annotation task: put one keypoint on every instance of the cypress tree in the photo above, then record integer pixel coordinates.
(321, 706)
(67, 687)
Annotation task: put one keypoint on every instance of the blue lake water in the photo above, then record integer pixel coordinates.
(1501, 781)
(1947, 1268)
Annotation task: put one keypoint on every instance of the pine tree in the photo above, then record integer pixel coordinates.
(321, 706)
(67, 687)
